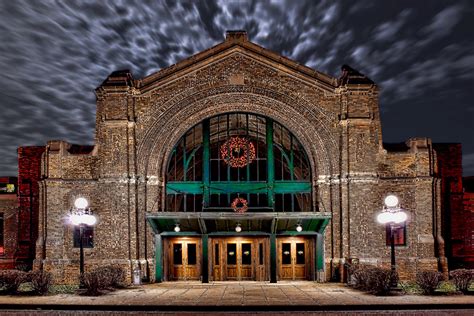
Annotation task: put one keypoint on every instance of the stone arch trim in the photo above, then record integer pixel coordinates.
(309, 124)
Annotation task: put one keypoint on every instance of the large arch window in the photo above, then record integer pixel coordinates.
(238, 155)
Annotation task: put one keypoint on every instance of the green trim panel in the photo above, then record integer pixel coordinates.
(158, 259)
(197, 187)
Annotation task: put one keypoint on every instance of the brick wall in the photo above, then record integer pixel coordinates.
(29, 171)
(449, 170)
(467, 249)
(9, 211)
(139, 122)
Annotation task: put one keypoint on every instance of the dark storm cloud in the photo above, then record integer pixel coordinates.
(54, 53)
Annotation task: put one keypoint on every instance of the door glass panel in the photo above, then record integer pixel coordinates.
(286, 253)
(231, 253)
(177, 254)
(260, 254)
(300, 253)
(216, 254)
(246, 253)
(191, 254)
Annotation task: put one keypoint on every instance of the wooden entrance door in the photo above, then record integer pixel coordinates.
(184, 258)
(293, 259)
(239, 259)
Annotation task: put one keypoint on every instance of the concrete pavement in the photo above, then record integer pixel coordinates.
(240, 296)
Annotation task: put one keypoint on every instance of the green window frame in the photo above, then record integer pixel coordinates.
(200, 179)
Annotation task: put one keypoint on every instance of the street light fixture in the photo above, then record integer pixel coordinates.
(392, 215)
(81, 215)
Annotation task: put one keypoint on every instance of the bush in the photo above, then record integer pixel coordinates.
(10, 280)
(371, 279)
(41, 281)
(116, 276)
(103, 278)
(112, 276)
(462, 278)
(428, 281)
(93, 282)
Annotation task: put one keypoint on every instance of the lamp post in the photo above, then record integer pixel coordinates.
(391, 215)
(81, 216)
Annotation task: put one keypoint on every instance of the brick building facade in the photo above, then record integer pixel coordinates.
(160, 177)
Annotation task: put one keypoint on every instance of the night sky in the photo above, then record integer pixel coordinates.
(53, 54)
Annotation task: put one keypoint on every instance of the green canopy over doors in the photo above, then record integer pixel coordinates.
(225, 222)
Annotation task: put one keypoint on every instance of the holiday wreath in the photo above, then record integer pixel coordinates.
(238, 152)
(239, 205)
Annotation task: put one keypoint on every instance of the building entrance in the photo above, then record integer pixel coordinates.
(184, 258)
(294, 258)
(239, 258)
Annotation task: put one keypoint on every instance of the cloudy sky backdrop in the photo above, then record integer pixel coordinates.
(53, 54)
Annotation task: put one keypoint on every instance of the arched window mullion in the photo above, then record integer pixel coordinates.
(206, 161)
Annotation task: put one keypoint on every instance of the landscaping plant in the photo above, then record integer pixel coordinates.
(429, 281)
(10, 280)
(371, 279)
(41, 281)
(462, 278)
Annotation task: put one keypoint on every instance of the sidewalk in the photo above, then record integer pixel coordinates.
(246, 295)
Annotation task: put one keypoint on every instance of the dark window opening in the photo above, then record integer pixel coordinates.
(87, 237)
(260, 254)
(177, 254)
(286, 253)
(300, 256)
(191, 254)
(231, 253)
(216, 254)
(246, 253)
(399, 234)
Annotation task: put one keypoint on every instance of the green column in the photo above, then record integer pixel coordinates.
(270, 162)
(158, 258)
(319, 253)
(273, 259)
(206, 161)
(205, 259)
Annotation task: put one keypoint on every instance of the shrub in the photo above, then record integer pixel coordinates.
(41, 281)
(10, 280)
(428, 281)
(112, 276)
(462, 278)
(116, 276)
(103, 278)
(93, 282)
(371, 279)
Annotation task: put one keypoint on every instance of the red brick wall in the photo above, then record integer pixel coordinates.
(449, 160)
(468, 219)
(29, 171)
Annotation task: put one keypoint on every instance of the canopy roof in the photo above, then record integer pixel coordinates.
(224, 223)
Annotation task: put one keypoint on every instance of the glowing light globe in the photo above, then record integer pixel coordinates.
(81, 203)
(391, 201)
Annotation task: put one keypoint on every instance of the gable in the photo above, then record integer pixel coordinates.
(237, 44)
